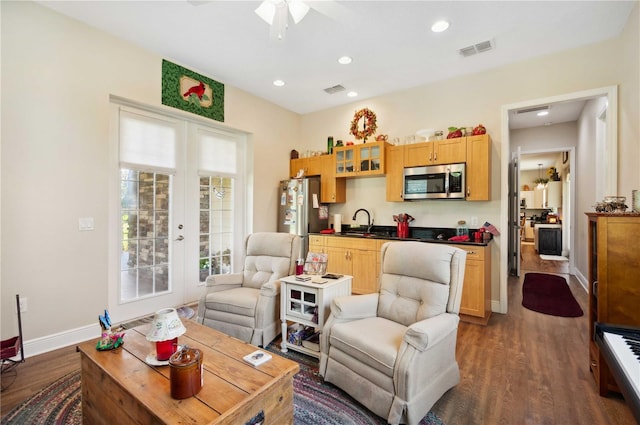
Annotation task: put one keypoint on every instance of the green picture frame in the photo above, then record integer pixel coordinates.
(192, 92)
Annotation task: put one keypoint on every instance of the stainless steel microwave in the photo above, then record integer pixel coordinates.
(435, 182)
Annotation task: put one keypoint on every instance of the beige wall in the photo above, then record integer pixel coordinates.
(57, 76)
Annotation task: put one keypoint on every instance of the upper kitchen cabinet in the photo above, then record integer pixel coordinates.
(395, 173)
(366, 159)
(553, 198)
(332, 190)
(478, 168)
(312, 166)
(447, 151)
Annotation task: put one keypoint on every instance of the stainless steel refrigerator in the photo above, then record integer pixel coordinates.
(300, 211)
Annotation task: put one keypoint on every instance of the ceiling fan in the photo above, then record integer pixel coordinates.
(276, 13)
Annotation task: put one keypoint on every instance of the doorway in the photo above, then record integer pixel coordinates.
(576, 200)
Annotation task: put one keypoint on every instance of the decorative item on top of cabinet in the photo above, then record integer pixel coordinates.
(360, 160)
(363, 124)
(478, 168)
(614, 293)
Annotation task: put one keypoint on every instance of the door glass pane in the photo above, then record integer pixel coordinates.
(144, 257)
(216, 225)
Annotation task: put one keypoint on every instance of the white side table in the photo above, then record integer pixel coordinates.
(309, 304)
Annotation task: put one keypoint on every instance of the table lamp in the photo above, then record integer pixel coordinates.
(165, 330)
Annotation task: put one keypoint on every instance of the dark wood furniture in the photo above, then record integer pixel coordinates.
(118, 387)
(550, 242)
(614, 283)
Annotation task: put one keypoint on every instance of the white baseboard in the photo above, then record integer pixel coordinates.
(52, 342)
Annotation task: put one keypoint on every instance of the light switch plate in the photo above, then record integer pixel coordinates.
(85, 223)
(474, 221)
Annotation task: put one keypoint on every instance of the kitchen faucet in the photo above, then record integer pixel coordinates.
(369, 221)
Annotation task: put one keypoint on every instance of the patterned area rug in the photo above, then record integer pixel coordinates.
(315, 403)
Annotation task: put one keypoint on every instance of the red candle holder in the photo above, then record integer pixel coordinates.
(164, 349)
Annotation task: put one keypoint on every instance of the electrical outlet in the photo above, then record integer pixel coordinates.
(23, 305)
(474, 221)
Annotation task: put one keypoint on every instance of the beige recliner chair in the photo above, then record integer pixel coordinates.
(246, 305)
(395, 351)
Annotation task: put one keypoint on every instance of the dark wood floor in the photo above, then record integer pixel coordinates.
(523, 368)
(527, 367)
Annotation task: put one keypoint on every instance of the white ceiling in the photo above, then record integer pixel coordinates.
(390, 41)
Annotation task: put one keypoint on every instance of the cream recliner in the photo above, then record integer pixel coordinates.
(246, 305)
(395, 351)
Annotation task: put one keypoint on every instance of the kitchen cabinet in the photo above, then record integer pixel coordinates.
(539, 198)
(312, 166)
(475, 306)
(395, 173)
(528, 231)
(526, 199)
(553, 195)
(614, 292)
(332, 189)
(447, 151)
(358, 257)
(478, 178)
(366, 159)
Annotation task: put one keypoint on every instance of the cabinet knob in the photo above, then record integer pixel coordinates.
(468, 192)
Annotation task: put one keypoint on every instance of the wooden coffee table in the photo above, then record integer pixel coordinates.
(119, 387)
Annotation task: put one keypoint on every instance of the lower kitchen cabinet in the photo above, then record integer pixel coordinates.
(356, 257)
(360, 258)
(476, 291)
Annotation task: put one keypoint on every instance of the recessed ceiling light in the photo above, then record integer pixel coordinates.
(542, 113)
(440, 26)
(278, 83)
(345, 60)
(352, 94)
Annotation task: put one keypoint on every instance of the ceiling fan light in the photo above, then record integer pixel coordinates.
(298, 10)
(440, 26)
(266, 11)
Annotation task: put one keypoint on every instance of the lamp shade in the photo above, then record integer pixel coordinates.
(166, 325)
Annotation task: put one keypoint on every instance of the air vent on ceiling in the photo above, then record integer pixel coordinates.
(335, 89)
(534, 109)
(481, 47)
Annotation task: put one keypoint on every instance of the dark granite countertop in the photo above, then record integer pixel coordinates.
(420, 234)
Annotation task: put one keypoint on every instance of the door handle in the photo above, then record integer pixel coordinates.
(179, 238)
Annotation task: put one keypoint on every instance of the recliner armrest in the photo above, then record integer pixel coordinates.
(222, 282)
(352, 307)
(270, 289)
(424, 333)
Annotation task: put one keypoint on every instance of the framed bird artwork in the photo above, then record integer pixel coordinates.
(192, 92)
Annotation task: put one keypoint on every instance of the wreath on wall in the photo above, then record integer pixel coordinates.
(369, 125)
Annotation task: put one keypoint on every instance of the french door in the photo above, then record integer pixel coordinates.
(173, 205)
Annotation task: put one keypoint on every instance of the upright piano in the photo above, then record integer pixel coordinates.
(620, 346)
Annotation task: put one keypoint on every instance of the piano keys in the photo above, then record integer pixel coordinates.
(620, 347)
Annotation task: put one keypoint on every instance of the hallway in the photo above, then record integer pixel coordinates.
(530, 261)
